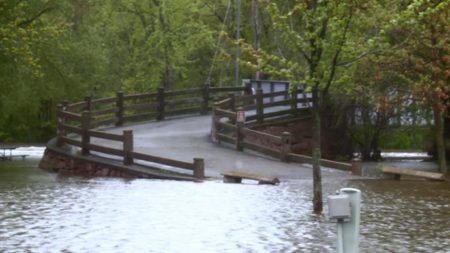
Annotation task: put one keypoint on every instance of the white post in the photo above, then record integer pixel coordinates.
(349, 237)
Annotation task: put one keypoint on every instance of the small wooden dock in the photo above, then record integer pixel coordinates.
(5, 155)
(398, 173)
(236, 177)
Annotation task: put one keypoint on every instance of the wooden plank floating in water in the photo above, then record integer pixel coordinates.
(397, 172)
(236, 177)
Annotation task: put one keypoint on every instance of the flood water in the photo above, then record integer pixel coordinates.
(44, 212)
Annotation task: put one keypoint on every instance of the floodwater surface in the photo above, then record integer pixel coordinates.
(44, 212)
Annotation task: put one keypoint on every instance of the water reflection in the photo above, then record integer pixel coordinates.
(46, 213)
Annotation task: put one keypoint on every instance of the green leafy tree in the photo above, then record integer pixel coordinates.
(27, 32)
(424, 59)
(315, 34)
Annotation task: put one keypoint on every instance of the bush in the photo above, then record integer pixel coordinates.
(406, 138)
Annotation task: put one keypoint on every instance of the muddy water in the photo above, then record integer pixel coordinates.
(42, 212)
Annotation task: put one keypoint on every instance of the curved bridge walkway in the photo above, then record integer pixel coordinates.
(185, 137)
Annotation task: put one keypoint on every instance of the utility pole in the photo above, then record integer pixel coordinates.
(238, 36)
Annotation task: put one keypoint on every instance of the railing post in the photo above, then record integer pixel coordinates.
(272, 90)
(59, 128)
(85, 126)
(232, 98)
(286, 88)
(87, 103)
(286, 143)
(199, 168)
(205, 95)
(127, 147)
(119, 107)
(248, 89)
(259, 106)
(356, 167)
(294, 95)
(240, 120)
(161, 103)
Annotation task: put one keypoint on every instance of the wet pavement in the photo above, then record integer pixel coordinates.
(184, 138)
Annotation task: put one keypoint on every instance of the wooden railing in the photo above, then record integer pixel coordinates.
(230, 128)
(79, 122)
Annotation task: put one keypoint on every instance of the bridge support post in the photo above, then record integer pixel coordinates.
(85, 126)
(199, 168)
(119, 106)
(286, 146)
(127, 147)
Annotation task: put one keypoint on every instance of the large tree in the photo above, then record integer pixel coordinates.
(29, 30)
(425, 57)
(314, 36)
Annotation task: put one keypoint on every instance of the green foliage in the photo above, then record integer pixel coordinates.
(64, 50)
(408, 138)
(354, 51)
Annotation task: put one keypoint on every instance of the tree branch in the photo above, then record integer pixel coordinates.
(338, 52)
(35, 17)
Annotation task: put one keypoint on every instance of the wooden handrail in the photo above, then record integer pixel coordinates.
(141, 106)
(183, 92)
(100, 101)
(226, 89)
(106, 136)
(225, 113)
(272, 138)
(104, 111)
(162, 160)
(275, 94)
(160, 104)
(236, 135)
(91, 113)
(69, 115)
(140, 96)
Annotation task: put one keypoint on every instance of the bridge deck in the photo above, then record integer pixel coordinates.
(185, 137)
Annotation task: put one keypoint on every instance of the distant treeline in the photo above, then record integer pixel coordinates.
(364, 57)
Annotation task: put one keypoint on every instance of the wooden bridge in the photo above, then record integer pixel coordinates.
(236, 119)
(80, 124)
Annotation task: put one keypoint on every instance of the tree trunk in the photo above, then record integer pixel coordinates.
(316, 155)
(439, 136)
(256, 35)
(167, 75)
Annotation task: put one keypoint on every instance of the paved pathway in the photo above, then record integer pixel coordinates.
(187, 137)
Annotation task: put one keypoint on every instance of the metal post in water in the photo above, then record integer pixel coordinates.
(350, 229)
(345, 209)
